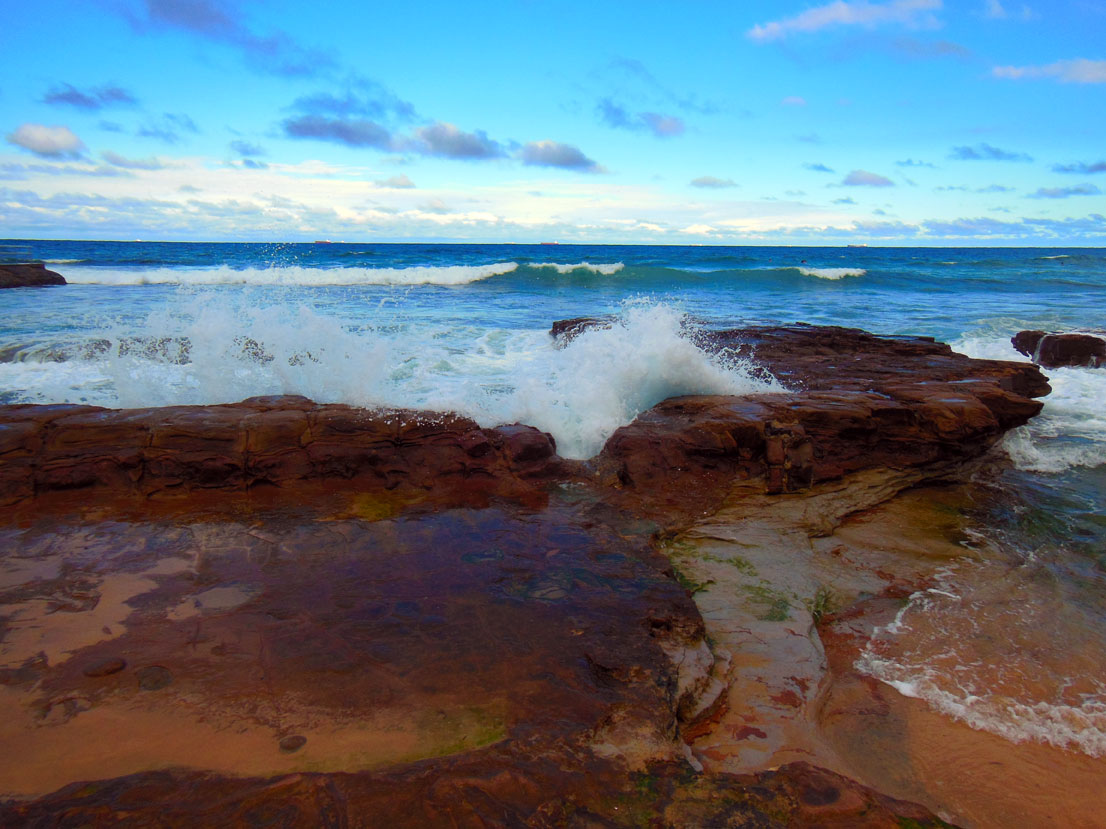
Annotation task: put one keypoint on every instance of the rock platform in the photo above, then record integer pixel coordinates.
(283, 612)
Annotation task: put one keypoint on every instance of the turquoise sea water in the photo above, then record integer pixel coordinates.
(465, 328)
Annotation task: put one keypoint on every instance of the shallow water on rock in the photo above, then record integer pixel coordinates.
(207, 642)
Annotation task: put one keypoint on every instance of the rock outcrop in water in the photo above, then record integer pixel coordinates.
(859, 402)
(1061, 350)
(29, 275)
(314, 614)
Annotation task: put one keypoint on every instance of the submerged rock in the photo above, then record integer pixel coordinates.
(1062, 350)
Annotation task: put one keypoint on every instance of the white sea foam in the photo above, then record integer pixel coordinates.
(1071, 429)
(291, 275)
(62, 261)
(580, 393)
(605, 270)
(832, 273)
(942, 648)
(1082, 727)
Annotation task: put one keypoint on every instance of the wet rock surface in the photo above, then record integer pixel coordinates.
(309, 614)
(1062, 350)
(29, 275)
(856, 402)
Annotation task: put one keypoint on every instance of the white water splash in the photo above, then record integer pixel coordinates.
(1071, 429)
(581, 393)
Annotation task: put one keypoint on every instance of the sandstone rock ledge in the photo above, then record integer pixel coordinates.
(311, 614)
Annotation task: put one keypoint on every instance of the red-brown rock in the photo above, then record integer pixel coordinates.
(1062, 350)
(261, 441)
(857, 402)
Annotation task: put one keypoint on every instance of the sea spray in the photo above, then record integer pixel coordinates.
(207, 350)
(605, 377)
(1071, 429)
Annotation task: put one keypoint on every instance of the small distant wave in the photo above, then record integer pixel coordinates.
(292, 275)
(832, 273)
(64, 261)
(605, 270)
(1057, 256)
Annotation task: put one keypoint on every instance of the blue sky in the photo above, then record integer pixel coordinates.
(915, 122)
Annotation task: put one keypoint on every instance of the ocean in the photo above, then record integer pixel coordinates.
(1012, 642)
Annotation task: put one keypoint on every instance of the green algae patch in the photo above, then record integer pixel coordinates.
(382, 505)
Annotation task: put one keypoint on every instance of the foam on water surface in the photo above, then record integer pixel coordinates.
(980, 647)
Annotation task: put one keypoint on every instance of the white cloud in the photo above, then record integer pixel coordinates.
(913, 13)
(49, 142)
(994, 10)
(713, 182)
(862, 178)
(794, 101)
(400, 182)
(1079, 70)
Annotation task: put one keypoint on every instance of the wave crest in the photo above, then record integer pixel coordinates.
(604, 269)
(831, 273)
(292, 275)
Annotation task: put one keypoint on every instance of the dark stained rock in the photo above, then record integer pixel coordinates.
(154, 677)
(498, 787)
(1062, 350)
(293, 743)
(565, 331)
(106, 667)
(492, 788)
(1026, 342)
(29, 275)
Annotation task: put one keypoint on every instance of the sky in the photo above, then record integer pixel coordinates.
(899, 122)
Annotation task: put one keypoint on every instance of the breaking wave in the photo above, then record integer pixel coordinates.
(605, 270)
(291, 275)
(832, 273)
(213, 351)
